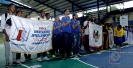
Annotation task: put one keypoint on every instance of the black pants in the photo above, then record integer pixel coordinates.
(67, 45)
(18, 56)
(86, 45)
(43, 54)
(27, 56)
(105, 38)
(57, 41)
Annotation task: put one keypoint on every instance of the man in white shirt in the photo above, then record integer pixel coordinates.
(6, 27)
(42, 18)
(86, 28)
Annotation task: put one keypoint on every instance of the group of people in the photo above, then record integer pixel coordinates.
(67, 35)
(6, 25)
(65, 32)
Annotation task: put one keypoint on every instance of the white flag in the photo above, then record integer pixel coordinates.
(95, 35)
(30, 36)
(111, 38)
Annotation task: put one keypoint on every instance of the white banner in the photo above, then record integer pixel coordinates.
(130, 38)
(111, 38)
(95, 35)
(30, 36)
(124, 20)
(126, 36)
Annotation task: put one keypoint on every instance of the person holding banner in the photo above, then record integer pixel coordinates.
(96, 21)
(76, 34)
(57, 30)
(66, 29)
(47, 16)
(18, 55)
(6, 25)
(27, 56)
(27, 16)
(86, 32)
(42, 18)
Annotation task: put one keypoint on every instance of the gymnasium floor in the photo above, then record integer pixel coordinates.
(96, 60)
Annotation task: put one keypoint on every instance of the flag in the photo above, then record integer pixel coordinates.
(111, 38)
(95, 35)
(30, 36)
(126, 36)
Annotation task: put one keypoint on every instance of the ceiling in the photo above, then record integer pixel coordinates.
(55, 6)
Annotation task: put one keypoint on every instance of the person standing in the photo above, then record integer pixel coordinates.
(6, 25)
(86, 33)
(105, 36)
(57, 30)
(66, 32)
(47, 16)
(120, 36)
(115, 35)
(18, 55)
(75, 34)
(42, 18)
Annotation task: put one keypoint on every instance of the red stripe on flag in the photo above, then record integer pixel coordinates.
(19, 35)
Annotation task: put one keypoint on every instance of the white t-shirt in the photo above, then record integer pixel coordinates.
(41, 19)
(86, 32)
(4, 25)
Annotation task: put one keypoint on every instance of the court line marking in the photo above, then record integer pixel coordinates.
(87, 63)
(73, 59)
(25, 65)
(102, 52)
(86, 55)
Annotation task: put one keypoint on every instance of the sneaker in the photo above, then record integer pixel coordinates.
(78, 55)
(53, 56)
(15, 63)
(18, 61)
(7, 65)
(30, 58)
(73, 56)
(45, 58)
(22, 61)
(39, 59)
(58, 54)
(63, 58)
(26, 59)
(48, 52)
(69, 56)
